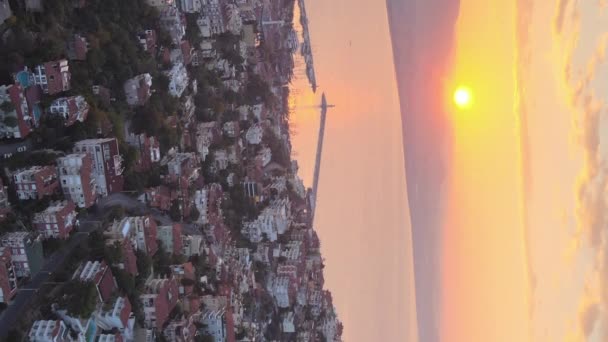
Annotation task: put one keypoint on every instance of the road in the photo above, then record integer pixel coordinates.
(6, 149)
(57, 260)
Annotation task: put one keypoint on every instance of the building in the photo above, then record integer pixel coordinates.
(147, 40)
(128, 260)
(158, 299)
(170, 238)
(26, 252)
(141, 231)
(255, 134)
(172, 21)
(77, 48)
(36, 182)
(213, 316)
(184, 271)
(184, 166)
(102, 93)
(100, 274)
(14, 112)
(149, 150)
(178, 79)
(49, 331)
(8, 277)
(107, 163)
(111, 338)
(71, 109)
(57, 220)
(160, 3)
(231, 129)
(138, 89)
(76, 177)
(117, 315)
(53, 77)
(5, 205)
(192, 245)
(283, 290)
(212, 11)
(190, 6)
(160, 197)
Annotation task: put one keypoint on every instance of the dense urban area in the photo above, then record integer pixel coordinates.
(147, 191)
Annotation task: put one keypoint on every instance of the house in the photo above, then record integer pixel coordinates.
(170, 238)
(128, 262)
(77, 180)
(186, 50)
(254, 134)
(231, 129)
(213, 317)
(178, 79)
(53, 77)
(36, 182)
(181, 329)
(212, 9)
(158, 299)
(100, 274)
(172, 21)
(160, 3)
(71, 109)
(49, 331)
(184, 271)
(206, 134)
(192, 245)
(57, 220)
(5, 205)
(8, 277)
(147, 40)
(149, 150)
(26, 252)
(107, 163)
(190, 6)
(15, 120)
(117, 314)
(77, 48)
(138, 89)
(184, 166)
(159, 197)
(140, 230)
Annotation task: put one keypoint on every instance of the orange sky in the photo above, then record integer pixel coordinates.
(485, 293)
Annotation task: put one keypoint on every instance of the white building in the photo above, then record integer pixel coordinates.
(178, 79)
(107, 163)
(76, 179)
(138, 89)
(265, 155)
(280, 290)
(13, 106)
(255, 134)
(190, 6)
(212, 11)
(192, 245)
(118, 316)
(171, 21)
(49, 331)
(272, 222)
(160, 3)
(71, 109)
(140, 230)
(213, 316)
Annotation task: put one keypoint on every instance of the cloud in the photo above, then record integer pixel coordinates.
(591, 208)
(558, 21)
(523, 55)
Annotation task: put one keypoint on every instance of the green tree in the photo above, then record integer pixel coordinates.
(10, 121)
(7, 106)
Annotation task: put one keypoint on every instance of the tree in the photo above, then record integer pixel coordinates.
(144, 262)
(7, 106)
(10, 121)
(80, 298)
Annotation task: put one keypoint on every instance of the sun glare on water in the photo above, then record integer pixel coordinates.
(463, 97)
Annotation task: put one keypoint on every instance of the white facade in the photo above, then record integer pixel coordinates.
(9, 131)
(132, 87)
(132, 228)
(70, 106)
(272, 222)
(49, 331)
(279, 289)
(255, 134)
(178, 79)
(101, 153)
(70, 178)
(171, 21)
(113, 318)
(192, 245)
(190, 6)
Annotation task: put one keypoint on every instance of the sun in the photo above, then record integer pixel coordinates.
(463, 97)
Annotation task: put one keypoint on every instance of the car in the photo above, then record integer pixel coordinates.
(22, 149)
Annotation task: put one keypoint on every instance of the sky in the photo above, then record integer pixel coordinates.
(444, 224)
